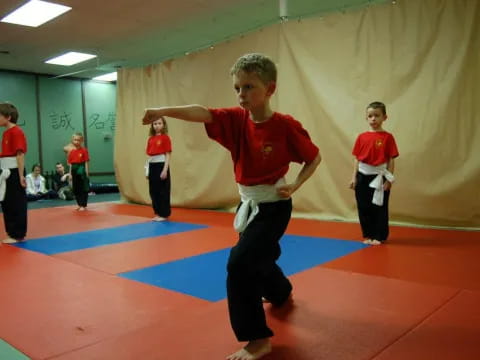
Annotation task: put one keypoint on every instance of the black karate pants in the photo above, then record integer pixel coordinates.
(373, 218)
(79, 189)
(159, 189)
(253, 272)
(14, 207)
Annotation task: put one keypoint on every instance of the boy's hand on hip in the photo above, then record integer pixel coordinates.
(353, 184)
(285, 191)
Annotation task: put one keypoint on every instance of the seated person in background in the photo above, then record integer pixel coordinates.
(62, 183)
(36, 189)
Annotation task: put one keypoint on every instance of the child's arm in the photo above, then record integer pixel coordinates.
(164, 173)
(308, 169)
(86, 168)
(21, 167)
(353, 182)
(387, 185)
(194, 113)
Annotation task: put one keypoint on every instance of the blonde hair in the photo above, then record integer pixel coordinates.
(256, 63)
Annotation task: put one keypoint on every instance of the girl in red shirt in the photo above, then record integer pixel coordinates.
(78, 159)
(159, 148)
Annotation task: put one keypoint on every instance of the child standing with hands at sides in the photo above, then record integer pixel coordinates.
(12, 178)
(262, 143)
(159, 148)
(372, 179)
(78, 159)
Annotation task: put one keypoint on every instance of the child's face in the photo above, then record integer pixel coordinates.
(375, 118)
(77, 140)
(4, 120)
(251, 91)
(36, 170)
(158, 126)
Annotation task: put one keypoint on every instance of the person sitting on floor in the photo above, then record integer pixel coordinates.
(62, 183)
(36, 189)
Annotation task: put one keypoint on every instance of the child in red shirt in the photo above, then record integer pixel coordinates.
(262, 143)
(159, 148)
(12, 177)
(78, 159)
(374, 152)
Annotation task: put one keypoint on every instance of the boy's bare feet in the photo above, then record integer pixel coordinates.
(9, 241)
(367, 241)
(254, 350)
(159, 218)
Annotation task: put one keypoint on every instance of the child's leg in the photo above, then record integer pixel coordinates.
(276, 287)
(154, 186)
(14, 207)
(364, 195)
(164, 209)
(381, 219)
(250, 268)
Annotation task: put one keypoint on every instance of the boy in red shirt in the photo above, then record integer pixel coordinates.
(12, 163)
(78, 160)
(262, 143)
(372, 179)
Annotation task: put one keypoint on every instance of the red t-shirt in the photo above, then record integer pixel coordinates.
(375, 147)
(13, 141)
(261, 152)
(159, 144)
(78, 156)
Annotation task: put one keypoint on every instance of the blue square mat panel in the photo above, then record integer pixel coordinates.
(115, 235)
(204, 276)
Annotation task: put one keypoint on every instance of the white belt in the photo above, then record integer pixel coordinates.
(3, 182)
(9, 162)
(377, 183)
(154, 159)
(251, 196)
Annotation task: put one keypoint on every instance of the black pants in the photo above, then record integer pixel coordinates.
(80, 190)
(159, 189)
(253, 272)
(14, 207)
(373, 218)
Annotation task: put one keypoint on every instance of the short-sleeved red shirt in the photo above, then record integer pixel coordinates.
(78, 156)
(375, 147)
(261, 152)
(159, 144)
(13, 141)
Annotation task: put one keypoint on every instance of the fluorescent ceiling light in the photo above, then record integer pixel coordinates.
(107, 77)
(70, 58)
(35, 13)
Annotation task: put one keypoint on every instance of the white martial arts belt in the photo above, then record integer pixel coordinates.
(6, 164)
(251, 196)
(377, 183)
(154, 159)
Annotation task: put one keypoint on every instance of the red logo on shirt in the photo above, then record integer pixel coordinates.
(378, 143)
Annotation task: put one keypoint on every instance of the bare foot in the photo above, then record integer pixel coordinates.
(9, 241)
(81, 208)
(254, 350)
(159, 218)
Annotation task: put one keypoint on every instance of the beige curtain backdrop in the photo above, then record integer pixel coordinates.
(419, 57)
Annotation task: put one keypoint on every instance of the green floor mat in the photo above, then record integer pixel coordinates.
(8, 352)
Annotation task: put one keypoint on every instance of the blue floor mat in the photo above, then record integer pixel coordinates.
(94, 238)
(204, 276)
